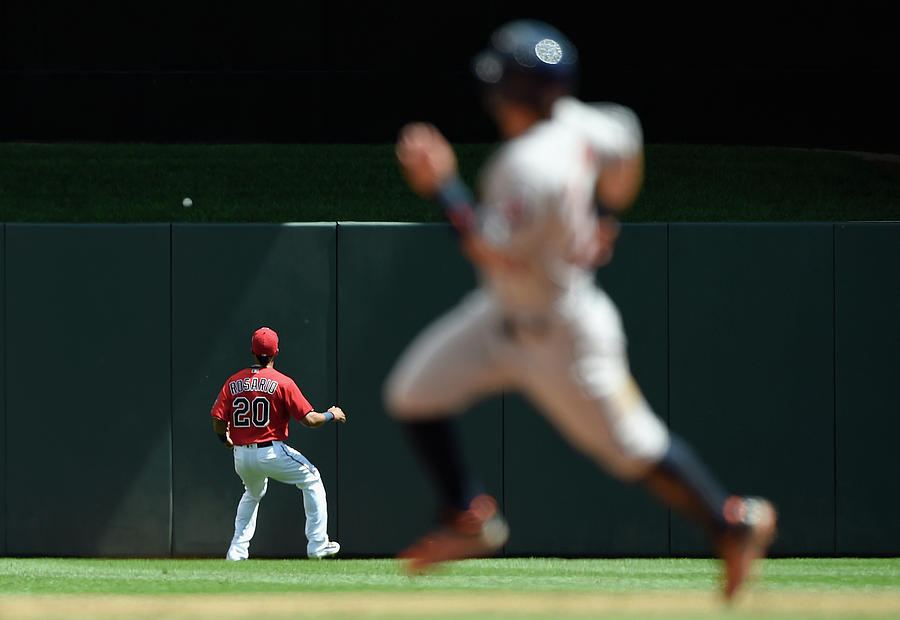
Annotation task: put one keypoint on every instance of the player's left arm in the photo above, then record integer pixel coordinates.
(617, 187)
(219, 413)
(618, 138)
(619, 182)
(220, 427)
(620, 153)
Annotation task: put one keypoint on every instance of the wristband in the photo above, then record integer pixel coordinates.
(221, 437)
(454, 197)
(328, 416)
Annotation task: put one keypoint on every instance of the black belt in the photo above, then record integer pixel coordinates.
(515, 327)
(261, 444)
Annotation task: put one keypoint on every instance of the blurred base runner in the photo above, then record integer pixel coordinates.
(544, 223)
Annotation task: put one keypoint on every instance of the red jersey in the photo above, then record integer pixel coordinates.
(258, 403)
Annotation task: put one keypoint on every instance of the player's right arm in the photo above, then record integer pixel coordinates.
(314, 419)
(430, 168)
(302, 411)
(425, 157)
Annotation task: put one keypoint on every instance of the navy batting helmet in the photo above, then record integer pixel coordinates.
(525, 60)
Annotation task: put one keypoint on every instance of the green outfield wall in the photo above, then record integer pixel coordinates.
(87, 343)
(867, 372)
(3, 387)
(771, 348)
(752, 368)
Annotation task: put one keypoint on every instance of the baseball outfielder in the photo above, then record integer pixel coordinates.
(251, 415)
(537, 323)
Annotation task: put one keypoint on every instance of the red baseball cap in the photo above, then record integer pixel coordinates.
(265, 342)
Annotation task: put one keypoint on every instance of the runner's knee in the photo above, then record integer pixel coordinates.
(403, 401)
(640, 440)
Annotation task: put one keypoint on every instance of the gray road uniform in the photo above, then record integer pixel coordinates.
(539, 324)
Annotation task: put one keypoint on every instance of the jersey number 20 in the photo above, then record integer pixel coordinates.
(246, 412)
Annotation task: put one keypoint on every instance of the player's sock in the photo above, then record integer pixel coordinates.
(682, 481)
(437, 445)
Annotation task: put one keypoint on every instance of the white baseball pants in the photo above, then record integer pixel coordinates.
(571, 363)
(281, 462)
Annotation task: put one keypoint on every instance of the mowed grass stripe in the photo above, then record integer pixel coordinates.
(168, 576)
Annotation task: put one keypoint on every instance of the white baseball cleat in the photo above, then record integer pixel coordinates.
(329, 550)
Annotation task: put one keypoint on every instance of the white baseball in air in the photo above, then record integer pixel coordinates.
(187, 202)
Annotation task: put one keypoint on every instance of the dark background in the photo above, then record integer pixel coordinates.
(780, 73)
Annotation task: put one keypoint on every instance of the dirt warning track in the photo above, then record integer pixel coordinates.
(455, 604)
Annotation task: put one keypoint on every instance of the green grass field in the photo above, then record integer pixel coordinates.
(321, 182)
(536, 588)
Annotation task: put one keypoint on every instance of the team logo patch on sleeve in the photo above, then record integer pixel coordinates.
(516, 213)
(504, 220)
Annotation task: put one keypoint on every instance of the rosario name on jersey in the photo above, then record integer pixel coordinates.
(258, 404)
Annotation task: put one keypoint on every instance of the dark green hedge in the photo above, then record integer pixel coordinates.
(306, 182)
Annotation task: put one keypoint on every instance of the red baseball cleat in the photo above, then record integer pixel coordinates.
(477, 532)
(752, 530)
